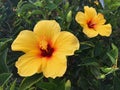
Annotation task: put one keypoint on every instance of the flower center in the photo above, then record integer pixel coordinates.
(91, 24)
(46, 49)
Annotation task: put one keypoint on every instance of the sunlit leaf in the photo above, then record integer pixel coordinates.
(13, 85)
(1, 88)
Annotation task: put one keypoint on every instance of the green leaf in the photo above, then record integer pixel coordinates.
(3, 43)
(83, 83)
(1, 88)
(51, 6)
(4, 77)
(36, 12)
(13, 85)
(113, 60)
(115, 5)
(98, 50)
(116, 83)
(47, 85)
(106, 69)
(3, 54)
(86, 45)
(96, 72)
(38, 3)
(113, 54)
(112, 4)
(29, 81)
(116, 50)
(25, 8)
(3, 64)
(89, 64)
(52, 84)
(68, 85)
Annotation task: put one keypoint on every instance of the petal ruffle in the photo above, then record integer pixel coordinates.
(90, 32)
(66, 43)
(104, 30)
(90, 12)
(28, 64)
(47, 29)
(80, 18)
(101, 19)
(56, 66)
(25, 41)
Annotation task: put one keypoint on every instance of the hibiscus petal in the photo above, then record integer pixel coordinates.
(56, 66)
(25, 41)
(101, 19)
(28, 64)
(90, 12)
(80, 18)
(47, 29)
(104, 30)
(66, 43)
(90, 32)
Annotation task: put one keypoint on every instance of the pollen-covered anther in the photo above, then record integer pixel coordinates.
(47, 52)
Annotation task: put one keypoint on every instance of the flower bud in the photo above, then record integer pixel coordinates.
(66, 5)
(69, 16)
(102, 76)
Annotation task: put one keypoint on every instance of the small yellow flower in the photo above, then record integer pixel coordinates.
(93, 23)
(45, 49)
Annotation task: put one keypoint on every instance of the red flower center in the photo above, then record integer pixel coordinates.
(90, 24)
(47, 52)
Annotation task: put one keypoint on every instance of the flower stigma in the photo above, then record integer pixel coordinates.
(91, 24)
(46, 49)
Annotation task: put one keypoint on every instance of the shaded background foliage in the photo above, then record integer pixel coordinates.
(94, 67)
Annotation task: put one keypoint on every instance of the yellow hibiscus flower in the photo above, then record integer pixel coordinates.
(45, 49)
(93, 23)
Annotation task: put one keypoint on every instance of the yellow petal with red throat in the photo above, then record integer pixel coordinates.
(28, 64)
(45, 49)
(47, 30)
(56, 66)
(93, 23)
(66, 43)
(90, 12)
(80, 18)
(90, 32)
(25, 41)
(104, 30)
